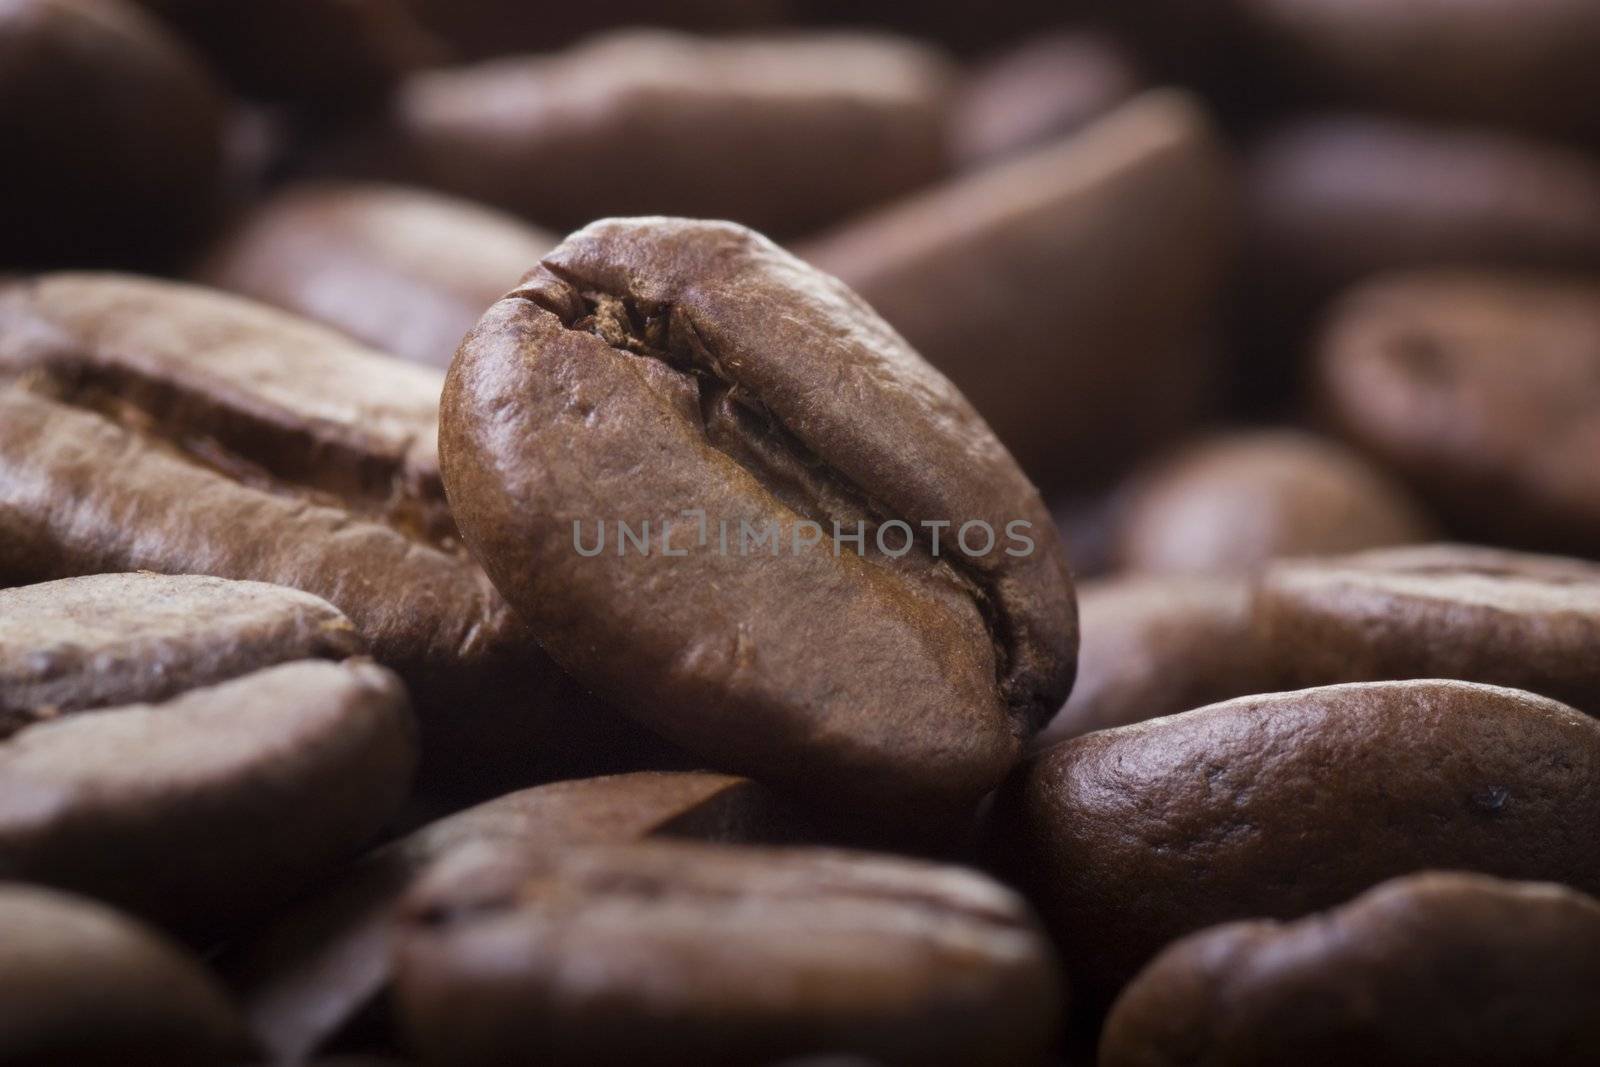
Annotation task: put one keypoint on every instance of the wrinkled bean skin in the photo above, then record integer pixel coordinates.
(656, 366)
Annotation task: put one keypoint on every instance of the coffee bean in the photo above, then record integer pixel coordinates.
(81, 984)
(1437, 611)
(1335, 198)
(112, 134)
(1233, 502)
(1156, 646)
(327, 54)
(1039, 91)
(783, 134)
(322, 966)
(1276, 806)
(1434, 968)
(479, 28)
(170, 745)
(683, 953)
(1508, 62)
(986, 277)
(652, 367)
(184, 431)
(117, 638)
(406, 271)
(1482, 389)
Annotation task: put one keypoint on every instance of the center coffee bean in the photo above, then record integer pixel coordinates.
(666, 372)
(178, 745)
(679, 953)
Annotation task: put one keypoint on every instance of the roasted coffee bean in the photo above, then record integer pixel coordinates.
(112, 133)
(479, 28)
(1437, 611)
(1232, 502)
(1156, 645)
(1015, 282)
(1336, 198)
(406, 271)
(327, 54)
(673, 952)
(1434, 968)
(1526, 63)
(169, 744)
(1037, 92)
(322, 966)
(82, 985)
(1275, 806)
(656, 367)
(783, 134)
(121, 638)
(1483, 390)
(185, 431)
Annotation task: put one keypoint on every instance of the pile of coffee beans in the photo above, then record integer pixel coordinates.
(785, 532)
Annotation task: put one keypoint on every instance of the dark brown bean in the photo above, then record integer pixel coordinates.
(1335, 198)
(783, 134)
(322, 966)
(83, 985)
(1234, 502)
(166, 744)
(1279, 805)
(1016, 281)
(654, 367)
(112, 133)
(326, 55)
(677, 953)
(1437, 611)
(1483, 389)
(406, 271)
(1433, 968)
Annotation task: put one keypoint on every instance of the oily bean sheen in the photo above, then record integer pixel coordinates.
(1047, 87)
(1506, 62)
(1481, 388)
(987, 276)
(322, 966)
(175, 429)
(671, 952)
(406, 271)
(784, 134)
(1437, 611)
(112, 136)
(653, 366)
(1433, 968)
(1156, 645)
(82, 985)
(1233, 502)
(1279, 805)
(178, 746)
